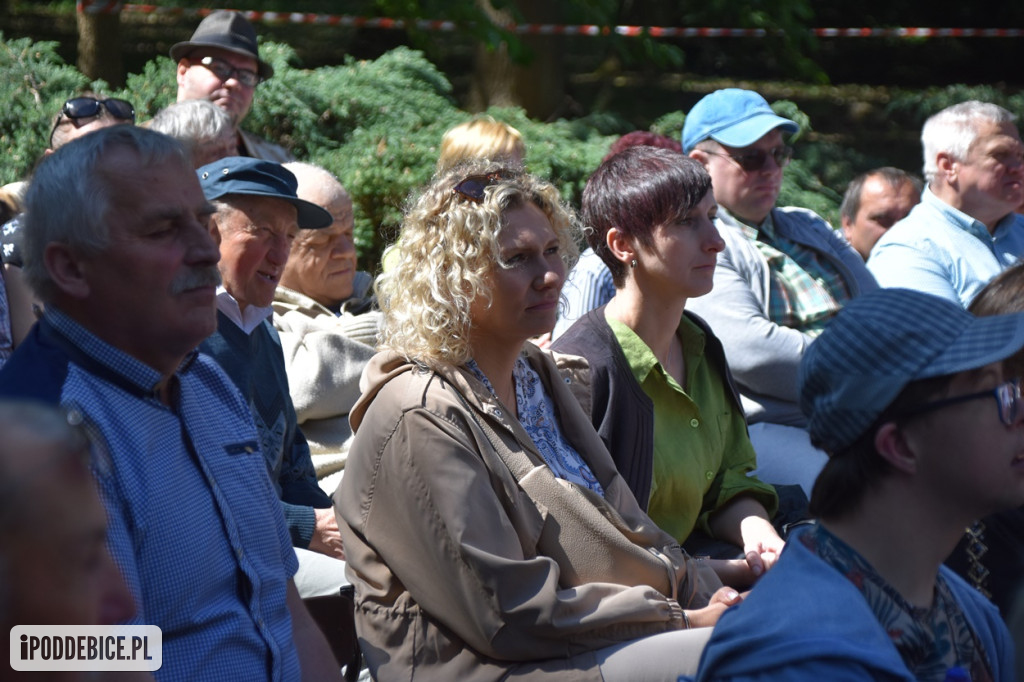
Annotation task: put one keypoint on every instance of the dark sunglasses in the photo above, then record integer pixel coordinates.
(224, 71)
(756, 159)
(88, 107)
(472, 186)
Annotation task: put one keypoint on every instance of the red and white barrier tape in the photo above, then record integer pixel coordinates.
(105, 6)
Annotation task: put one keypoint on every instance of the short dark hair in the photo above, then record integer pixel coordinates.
(635, 191)
(895, 178)
(850, 473)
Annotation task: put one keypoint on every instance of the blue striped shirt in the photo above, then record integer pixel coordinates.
(588, 286)
(195, 525)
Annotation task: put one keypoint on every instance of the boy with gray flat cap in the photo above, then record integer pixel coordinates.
(925, 433)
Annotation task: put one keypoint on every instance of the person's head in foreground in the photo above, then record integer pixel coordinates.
(481, 138)
(54, 562)
(257, 216)
(116, 237)
(910, 396)
(322, 264)
(482, 260)
(511, 561)
(904, 387)
(739, 139)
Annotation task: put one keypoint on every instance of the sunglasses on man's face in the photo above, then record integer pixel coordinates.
(756, 159)
(472, 187)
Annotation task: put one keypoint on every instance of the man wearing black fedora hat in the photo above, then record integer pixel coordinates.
(221, 63)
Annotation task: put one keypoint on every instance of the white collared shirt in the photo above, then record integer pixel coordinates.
(248, 319)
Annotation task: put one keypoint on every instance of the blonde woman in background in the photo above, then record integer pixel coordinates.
(481, 138)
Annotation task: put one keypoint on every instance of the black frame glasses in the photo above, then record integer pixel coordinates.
(225, 71)
(1007, 396)
(472, 186)
(88, 107)
(755, 159)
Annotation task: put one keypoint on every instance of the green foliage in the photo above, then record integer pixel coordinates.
(376, 124)
(915, 106)
(34, 82)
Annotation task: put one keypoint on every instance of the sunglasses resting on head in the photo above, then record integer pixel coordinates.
(88, 107)
(472, 187)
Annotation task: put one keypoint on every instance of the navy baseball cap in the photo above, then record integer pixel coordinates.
(733, 117)
(256, 177)
(882, 341)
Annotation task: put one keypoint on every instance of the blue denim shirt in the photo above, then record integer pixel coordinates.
(194, 523)
(942, 251)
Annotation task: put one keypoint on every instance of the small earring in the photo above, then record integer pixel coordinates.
(632, 263)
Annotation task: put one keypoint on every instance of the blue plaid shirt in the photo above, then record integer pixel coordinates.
(195, 525)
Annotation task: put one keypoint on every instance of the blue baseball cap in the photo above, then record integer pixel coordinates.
(256, 177)
(882, 341)
(733, 117)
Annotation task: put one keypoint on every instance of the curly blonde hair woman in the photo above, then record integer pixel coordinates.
(448, 246)
(488, 533)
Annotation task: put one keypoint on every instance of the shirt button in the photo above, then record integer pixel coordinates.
(694, 423)
(709, 475)
(239, 553)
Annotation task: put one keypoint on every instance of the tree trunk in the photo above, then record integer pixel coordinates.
(538, 87)
(541, 83)
(99, 47)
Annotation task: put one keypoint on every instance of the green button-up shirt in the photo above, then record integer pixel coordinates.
(702, 453)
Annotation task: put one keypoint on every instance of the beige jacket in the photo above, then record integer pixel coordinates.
(324, 355)
(460, 573)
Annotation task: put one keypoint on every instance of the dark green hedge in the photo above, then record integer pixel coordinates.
(378, 124)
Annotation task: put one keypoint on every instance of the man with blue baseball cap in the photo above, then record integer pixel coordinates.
(257, 214)
(909, 395)
(782, 277)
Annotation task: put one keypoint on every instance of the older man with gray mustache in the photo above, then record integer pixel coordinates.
(118, 246)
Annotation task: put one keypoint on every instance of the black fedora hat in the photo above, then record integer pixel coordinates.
(225, 30)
